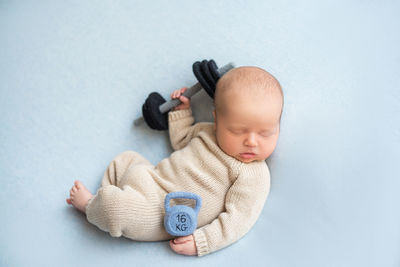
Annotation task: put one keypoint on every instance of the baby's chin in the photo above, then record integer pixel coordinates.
(248, 160)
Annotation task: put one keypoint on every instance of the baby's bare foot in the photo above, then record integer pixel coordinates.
(79, 196)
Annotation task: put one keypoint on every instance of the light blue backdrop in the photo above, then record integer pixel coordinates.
(73, 77)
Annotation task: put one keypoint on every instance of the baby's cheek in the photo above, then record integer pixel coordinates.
(223, 143)
(268, 149)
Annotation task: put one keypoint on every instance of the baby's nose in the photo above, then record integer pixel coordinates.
(250, 140)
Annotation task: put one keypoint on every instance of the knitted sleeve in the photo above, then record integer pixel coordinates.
(181, 128)
(243, 205)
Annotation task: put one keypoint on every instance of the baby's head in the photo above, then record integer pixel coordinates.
(248, 108)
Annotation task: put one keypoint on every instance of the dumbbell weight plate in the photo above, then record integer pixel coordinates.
(199, 76)
(151, 112)
(205, 69)
(212, 66)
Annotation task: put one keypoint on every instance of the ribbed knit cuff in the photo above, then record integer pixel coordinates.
(179, 114)
(88, 211)
(201, 243)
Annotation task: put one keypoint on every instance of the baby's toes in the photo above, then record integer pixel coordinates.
(78, 184)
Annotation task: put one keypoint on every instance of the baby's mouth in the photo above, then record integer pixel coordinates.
(247, 155)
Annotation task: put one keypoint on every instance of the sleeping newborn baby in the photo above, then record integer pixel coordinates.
(223, 162)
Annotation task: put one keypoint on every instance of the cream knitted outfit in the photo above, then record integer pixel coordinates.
(131, 197)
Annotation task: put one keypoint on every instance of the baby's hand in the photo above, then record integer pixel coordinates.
(184, 245)
(177, 94)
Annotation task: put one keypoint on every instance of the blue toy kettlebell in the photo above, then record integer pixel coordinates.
(181, 220)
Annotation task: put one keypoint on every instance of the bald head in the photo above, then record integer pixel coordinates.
(247, 81)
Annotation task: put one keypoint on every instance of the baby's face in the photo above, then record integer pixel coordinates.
(248, 127)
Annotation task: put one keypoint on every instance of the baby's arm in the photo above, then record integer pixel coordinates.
(243, 205)
(180, 122)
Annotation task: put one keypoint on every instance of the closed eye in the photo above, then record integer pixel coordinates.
(266, 133)
(237, 131)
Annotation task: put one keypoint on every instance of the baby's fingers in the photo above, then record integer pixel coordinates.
(182, 90)
(175, 247)
(178, 248)
(183, 239)
(184, 100)
(186, 248)
(177, 93)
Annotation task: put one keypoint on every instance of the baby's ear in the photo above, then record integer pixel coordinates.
(214, 116)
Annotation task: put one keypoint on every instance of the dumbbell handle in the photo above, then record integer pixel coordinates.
(192, 90)
(188, 93)
(182, 195)
(175, 102)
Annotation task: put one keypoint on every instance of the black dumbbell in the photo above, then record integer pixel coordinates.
(155, 109)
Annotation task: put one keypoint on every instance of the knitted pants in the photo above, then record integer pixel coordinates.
(129, 202)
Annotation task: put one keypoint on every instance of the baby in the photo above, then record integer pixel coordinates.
(223, 162)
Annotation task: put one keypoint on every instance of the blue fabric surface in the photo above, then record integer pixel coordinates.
(73, 77)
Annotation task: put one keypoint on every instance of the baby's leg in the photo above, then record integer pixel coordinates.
(80, 195)
(126, 211)
(129, 202)
(120, 165)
